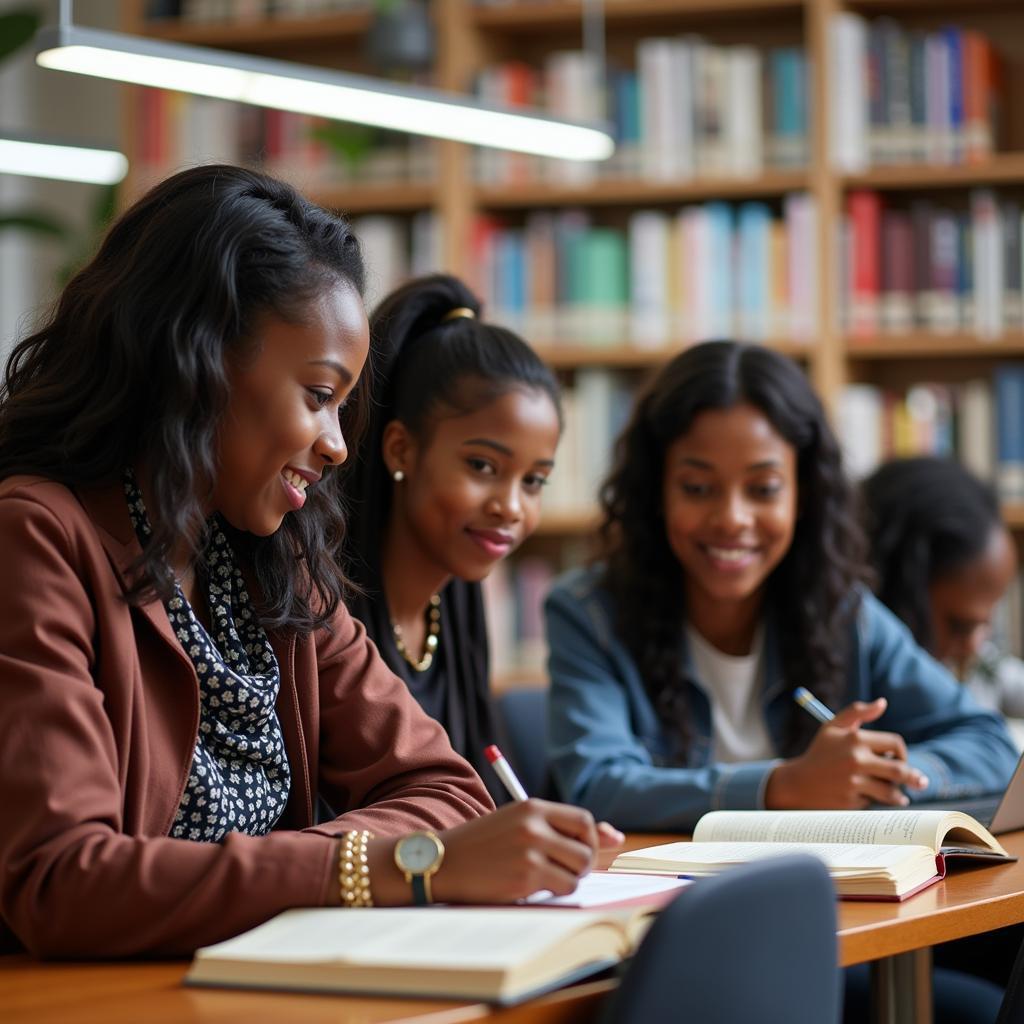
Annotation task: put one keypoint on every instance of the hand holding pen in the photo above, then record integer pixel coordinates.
(845, 766)
(521, 848)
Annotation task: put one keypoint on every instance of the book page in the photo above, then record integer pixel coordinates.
(855, 858)
(601, 887)
(911, 828)
(414, 937)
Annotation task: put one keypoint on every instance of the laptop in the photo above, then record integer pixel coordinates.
(998, 812)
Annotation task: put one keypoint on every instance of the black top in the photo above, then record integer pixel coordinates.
(455, 690)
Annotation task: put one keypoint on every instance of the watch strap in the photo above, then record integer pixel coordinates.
(420, 890)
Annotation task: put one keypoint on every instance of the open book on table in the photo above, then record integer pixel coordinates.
(875, 855)
(500, 955)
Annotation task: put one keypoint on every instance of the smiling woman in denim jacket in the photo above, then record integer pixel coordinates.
(732, 573)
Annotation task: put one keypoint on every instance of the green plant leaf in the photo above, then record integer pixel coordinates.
(16, 29)
(104, 208)
(351, 142)
(35, 222)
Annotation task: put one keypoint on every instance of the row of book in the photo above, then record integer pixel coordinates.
(397, 248)
(709, 270)
(249, 10)
(175, 130)
(905, 96)
(688, 109)
(933, 268)
(979, 421)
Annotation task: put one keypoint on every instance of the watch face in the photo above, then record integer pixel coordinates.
(416, 853)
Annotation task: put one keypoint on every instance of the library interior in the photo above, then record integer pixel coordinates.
(753, 269)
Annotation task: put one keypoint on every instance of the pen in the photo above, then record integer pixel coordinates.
(504, 772)
(812, 705)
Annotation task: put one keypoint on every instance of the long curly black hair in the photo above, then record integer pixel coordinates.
(131, 367)
(813, 591)
(926, 518)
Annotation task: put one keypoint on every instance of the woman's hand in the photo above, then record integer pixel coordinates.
(519, 849)
(846, 767)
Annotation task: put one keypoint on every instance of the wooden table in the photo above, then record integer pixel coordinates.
(895, 937)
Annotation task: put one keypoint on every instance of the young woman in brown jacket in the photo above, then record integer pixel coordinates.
(179, 677)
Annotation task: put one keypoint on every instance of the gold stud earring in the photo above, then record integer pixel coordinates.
(398, 476)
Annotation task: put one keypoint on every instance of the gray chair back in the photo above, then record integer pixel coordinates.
(757, 943)
(524, 715)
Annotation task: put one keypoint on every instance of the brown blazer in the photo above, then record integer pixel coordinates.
(99, 711)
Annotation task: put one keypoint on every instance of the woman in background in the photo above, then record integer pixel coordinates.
(731, 574)
(448, 482)
(944, 559)
(179, 676)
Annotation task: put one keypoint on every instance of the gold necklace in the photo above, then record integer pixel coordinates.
(433, 633)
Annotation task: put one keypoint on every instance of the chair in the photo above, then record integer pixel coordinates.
(523, 714)
(757, 943)
(1012, 1009)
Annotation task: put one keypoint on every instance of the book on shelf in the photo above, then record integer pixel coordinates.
(871, 855)
(933, 268)
(971, 421)
(396, 248)
(904, 96)
(710, 270)
(685, 109)
(249, 10)
(175, 130)
(499, 955)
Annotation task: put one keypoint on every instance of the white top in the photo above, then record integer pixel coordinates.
(733, 686)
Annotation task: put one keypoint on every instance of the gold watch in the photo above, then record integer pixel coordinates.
(418, 856)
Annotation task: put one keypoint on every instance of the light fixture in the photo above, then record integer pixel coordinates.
(321, 92)
(39, 158)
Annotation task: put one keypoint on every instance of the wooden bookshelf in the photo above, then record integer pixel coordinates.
(1001, 169)
(265, 36)
(935, 346)
(559, 524)
(359, 197)
(633, 192)
(530, 17)
(1013, 515)
(471, 37)
(636, 357)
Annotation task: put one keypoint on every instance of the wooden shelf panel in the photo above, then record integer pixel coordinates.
(944, 346)
(873, 8)
(632, 191)
(539, 17)
(578, 522)
(264, 35)
(626, 357)
(1004, 168)
(1013, 515)
(356, 198)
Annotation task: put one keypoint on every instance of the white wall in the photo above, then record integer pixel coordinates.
(59, 105)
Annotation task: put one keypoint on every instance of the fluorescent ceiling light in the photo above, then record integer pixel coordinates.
(311, 90)
(39, 159)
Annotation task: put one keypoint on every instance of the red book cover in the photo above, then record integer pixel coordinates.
(864, 208)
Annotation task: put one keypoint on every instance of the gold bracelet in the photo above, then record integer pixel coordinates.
(354, 870)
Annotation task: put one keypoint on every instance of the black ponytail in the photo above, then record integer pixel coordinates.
(432, 356)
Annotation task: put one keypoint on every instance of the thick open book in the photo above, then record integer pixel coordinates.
(887, 855)
(499, 955)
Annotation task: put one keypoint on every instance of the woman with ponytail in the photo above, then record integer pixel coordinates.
(462, 438)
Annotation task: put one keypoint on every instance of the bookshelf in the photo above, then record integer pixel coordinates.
(472, 38)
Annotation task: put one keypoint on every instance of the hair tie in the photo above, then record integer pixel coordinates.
(459, 312)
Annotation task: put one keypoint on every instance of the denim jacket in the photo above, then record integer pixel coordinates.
(610, 752)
